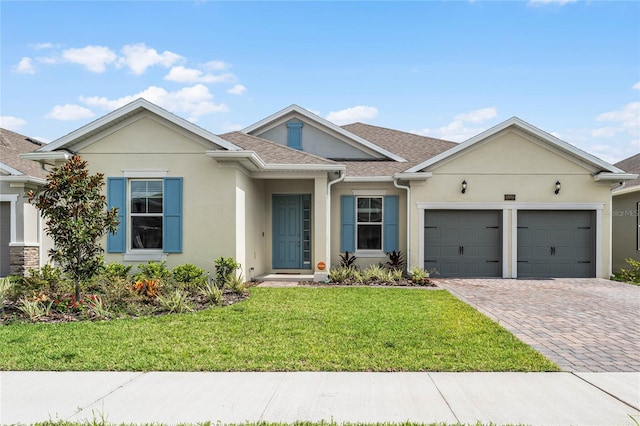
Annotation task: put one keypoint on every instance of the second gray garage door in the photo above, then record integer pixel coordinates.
(463, 243)
(556, 244)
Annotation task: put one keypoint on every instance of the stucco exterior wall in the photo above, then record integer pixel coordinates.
(315, 141)
(381, 188)
(250, 194)
(517, 164)
(625, 229)
(209, 188)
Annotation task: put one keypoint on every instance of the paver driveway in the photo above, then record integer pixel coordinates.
(583, 325)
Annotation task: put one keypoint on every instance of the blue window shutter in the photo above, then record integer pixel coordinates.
(390, 223)
(117, 197)
(294, 135)
(172, 232)
(347, 223)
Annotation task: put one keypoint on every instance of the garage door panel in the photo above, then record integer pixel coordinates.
(463, 243)
(556, 244)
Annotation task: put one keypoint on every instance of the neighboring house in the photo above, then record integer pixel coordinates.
(294, 191)
(626, 221)
(22, 243)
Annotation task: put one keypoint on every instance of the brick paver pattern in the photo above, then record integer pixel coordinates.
(583, 325)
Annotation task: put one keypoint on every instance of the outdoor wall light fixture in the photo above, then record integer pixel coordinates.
(464, 186)
(557, 187)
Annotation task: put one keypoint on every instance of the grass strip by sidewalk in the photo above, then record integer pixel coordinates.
(283, 329)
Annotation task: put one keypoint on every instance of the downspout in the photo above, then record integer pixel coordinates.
(340, 178)
(408, 189)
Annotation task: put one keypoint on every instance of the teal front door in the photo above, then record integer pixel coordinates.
(291, 231)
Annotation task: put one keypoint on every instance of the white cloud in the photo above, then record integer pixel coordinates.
(95, 58)
(628, 118)
(139, 57)
(41, 46)
(478, 115)
(353, 114)
(238, 89)
(194, 101)
(604, 132)
(69, 112)
(458, 130)
(636, 86)
(216, 66)
(25, 66)
(543, 2)
(230, 127)
(182, 74)
(47, 60)
(12, 123)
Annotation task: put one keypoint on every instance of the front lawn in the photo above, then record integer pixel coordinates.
(283, 329)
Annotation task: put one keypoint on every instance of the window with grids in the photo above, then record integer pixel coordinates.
(146, 197)
(369, 223)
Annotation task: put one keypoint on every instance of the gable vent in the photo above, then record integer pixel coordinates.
(294, 135)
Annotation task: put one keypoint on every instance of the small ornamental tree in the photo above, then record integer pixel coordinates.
(76, 218)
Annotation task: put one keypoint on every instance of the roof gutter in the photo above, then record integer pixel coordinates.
(340, 178)
(262, 166)
(47, 157)
(606, 176)
(408, 225)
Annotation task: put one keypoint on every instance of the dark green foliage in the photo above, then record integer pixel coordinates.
(347, 260)
(152, 271)
(48, 279)
(631, 275)
(188, 274)
(116, 270)
(76, 217)
(396, 260)
(225, 268)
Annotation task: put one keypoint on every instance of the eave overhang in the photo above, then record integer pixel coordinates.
(614, 177)
(252, 162)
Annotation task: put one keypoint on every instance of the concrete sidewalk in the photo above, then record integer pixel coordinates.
(527, 398)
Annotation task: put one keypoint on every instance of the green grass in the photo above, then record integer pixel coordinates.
(284, 329)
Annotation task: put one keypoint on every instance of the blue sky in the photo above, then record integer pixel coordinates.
(447, 69)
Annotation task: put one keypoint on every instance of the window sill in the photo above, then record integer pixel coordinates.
(370, 253)
(145, 256)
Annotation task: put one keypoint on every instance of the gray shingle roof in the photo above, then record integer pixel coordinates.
(414, 148)
(271, 152)
(13, 144)
(630, 165)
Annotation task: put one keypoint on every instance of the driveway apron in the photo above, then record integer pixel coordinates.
(583, 325)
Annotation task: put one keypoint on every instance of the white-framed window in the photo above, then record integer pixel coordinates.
(369, 223)
(145, 214)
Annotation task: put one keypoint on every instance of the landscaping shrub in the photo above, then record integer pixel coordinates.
(396, 260)
(237, 284)
(225, 267)
(212, 293)
(341, 274)
(175, 302)
(6, 284)
(116, 270)
(347, 260)
(419, 276)
(48, 279)
(152, 271)
(188, 274)
(631, 275)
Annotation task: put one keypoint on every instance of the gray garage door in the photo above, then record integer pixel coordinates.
(5, 231)
(462, 243)
(556, 244)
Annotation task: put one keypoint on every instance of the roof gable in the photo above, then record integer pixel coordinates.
(295, 111)
(123, 113)
(12, 145)
(558, 145)
(631, 165)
